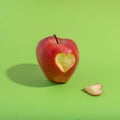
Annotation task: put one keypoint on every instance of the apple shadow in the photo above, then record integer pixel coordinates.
(28, 75)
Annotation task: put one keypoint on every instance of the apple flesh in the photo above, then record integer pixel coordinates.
(57, 57)
(64, 62)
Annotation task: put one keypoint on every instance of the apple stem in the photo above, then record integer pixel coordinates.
(56, 39)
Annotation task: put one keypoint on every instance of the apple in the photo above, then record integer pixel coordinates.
(58, 58)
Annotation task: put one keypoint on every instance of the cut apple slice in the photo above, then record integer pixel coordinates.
(95, 89)
(65, 61)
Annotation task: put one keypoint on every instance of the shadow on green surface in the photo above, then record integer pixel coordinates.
(28, 75)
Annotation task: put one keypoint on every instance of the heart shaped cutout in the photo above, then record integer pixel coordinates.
(64, 61)
(94, 90)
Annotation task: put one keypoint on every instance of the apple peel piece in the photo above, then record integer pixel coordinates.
(65, 61)
(95, 89)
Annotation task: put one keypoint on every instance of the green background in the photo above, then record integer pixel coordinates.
(25, 93)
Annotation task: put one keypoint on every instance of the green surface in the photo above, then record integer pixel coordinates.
(25, 93)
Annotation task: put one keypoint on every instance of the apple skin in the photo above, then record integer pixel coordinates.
(46, 51)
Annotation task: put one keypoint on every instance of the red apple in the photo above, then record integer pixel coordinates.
(58, 58)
